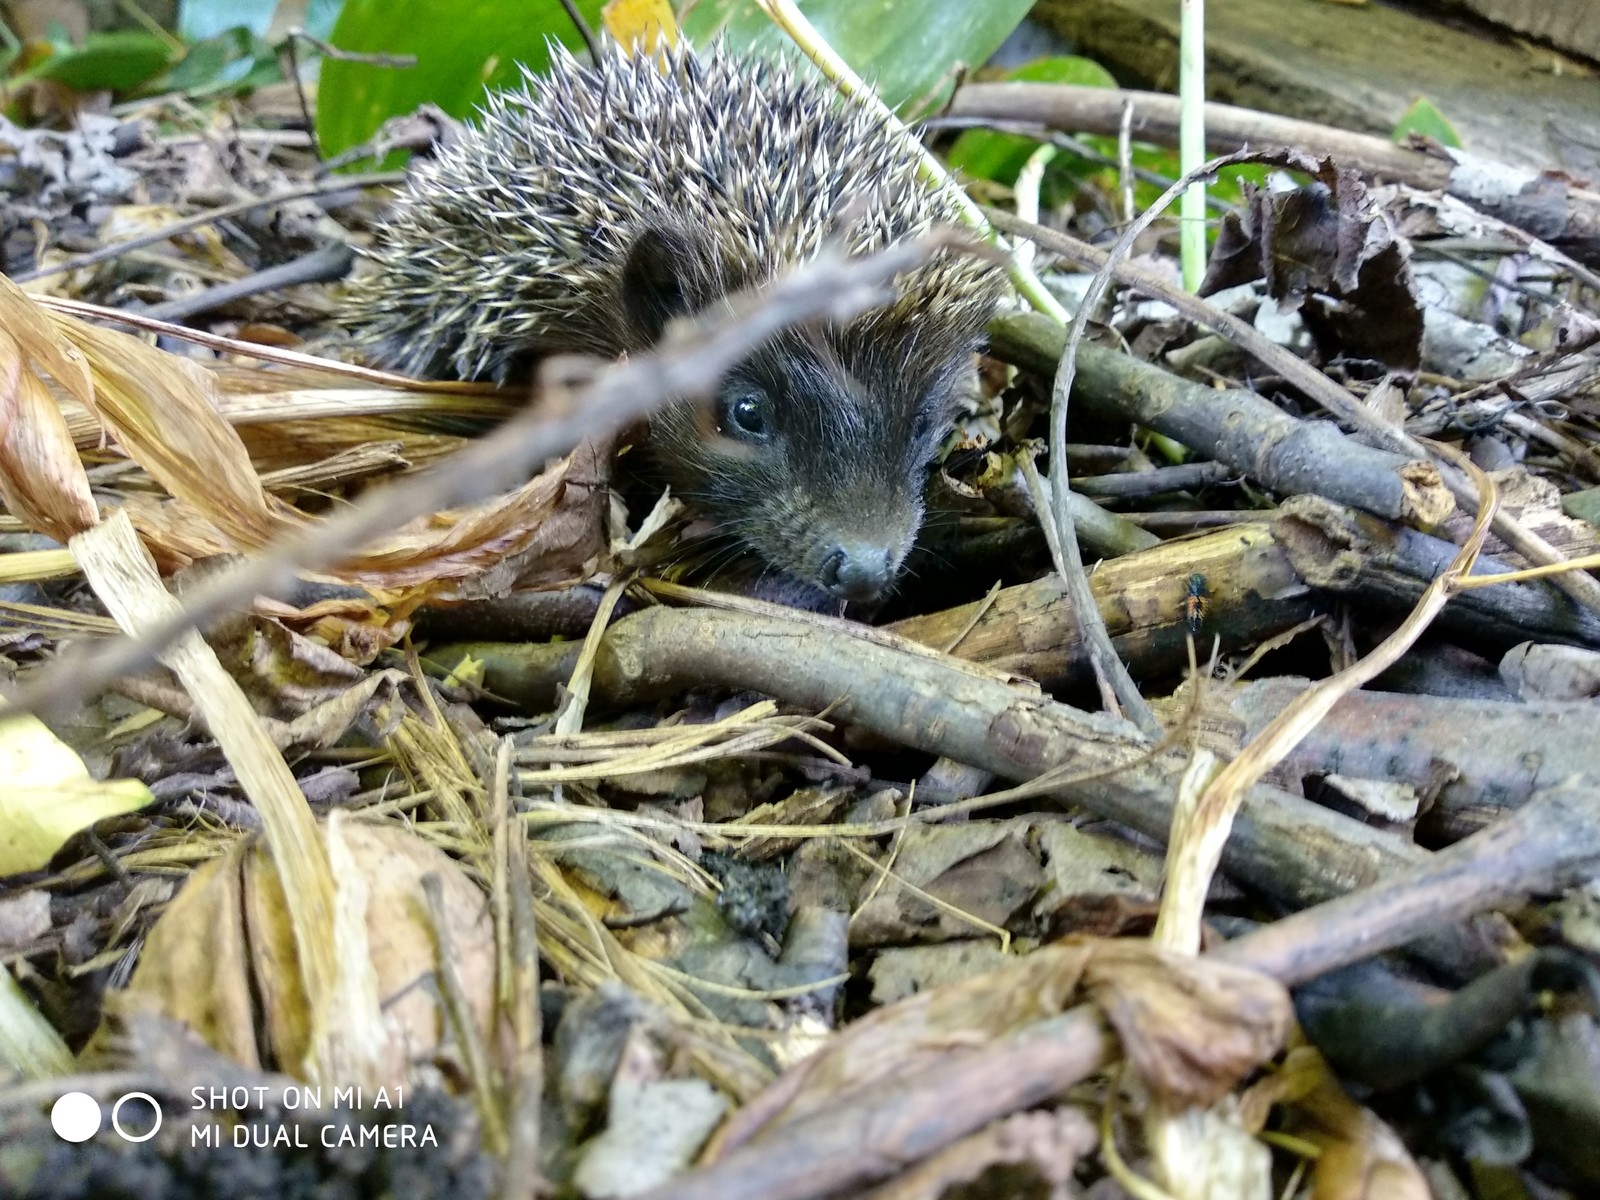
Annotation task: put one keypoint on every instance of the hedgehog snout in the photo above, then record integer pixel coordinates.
(858, 570)
(858, 558)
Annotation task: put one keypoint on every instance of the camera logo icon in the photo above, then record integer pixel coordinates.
(77, 1117)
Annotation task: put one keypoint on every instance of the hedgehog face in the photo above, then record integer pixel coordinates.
(814, 451)
(815, 458)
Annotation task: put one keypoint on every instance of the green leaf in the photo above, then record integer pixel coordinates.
(1423, 119)
(462, 47)
(119, 61)
(982, 154)
(235, 59)
(909, 50)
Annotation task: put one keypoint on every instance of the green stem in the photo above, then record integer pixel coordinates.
(1192, 139)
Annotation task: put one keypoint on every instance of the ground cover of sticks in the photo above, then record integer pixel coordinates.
(1213, 810)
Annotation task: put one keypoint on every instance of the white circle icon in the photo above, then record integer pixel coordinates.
(75, 1117)
(116, 1114)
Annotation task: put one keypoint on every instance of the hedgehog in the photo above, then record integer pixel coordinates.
(588, 208)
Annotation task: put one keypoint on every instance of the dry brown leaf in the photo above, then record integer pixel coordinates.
(196, 962)
(199, 965)
(1191, 1027)
(162, 411)
(42, 479)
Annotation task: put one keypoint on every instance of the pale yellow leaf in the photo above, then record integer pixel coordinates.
(47, 795)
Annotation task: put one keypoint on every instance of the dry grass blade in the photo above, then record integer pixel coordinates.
(126, 581)
(754, 728)
(576, 700)
(42, 479)
(34, 566)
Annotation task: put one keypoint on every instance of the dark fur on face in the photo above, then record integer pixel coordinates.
(815, 449)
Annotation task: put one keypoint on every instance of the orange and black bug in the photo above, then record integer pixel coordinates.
(1195, 602)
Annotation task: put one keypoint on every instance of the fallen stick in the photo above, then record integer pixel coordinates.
(1492, 755)
(1245, 431)
(1264, 576)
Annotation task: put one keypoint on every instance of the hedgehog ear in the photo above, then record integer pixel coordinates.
(658, 281)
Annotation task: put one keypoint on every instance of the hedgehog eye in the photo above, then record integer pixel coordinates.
(744, 414)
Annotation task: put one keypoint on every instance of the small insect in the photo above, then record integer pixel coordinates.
(1196, 602)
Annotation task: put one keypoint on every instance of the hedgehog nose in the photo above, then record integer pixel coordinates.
(857, 571)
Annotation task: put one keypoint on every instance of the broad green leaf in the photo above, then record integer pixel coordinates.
(1424, 119)
(119, 61)
(909, 50)
(462, 47)
(47, 795)
(983, 154)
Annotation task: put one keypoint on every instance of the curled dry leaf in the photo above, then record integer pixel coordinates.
(224, 948)
(42, 480)
(1327, 249)
(164, 412)
(1192, 1027)
(548, 533)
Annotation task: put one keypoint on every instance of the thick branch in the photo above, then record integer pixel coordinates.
(1236, 427)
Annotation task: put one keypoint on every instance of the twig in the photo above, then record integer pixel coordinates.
(327, 262)
(1107, 664)
(1549, 844)
(1118, 694)
(1287, 846)
(1479, 187)
(1125, 160)
(255, 350)
(117, 249)
(570, 7)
